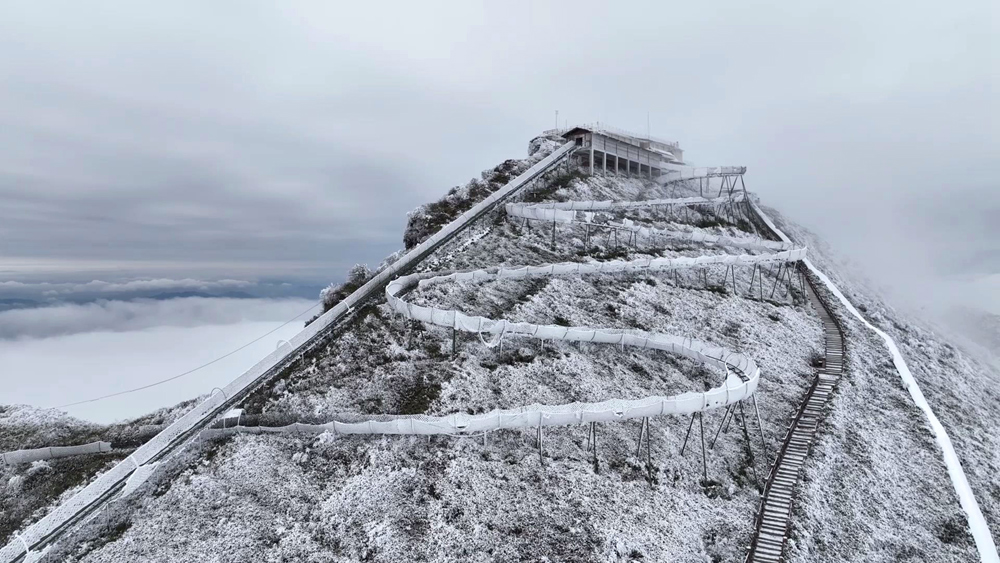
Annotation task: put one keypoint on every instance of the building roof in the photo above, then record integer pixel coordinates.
(576, 130)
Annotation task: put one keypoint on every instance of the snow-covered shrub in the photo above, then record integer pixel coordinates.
(427, 219)
(335, 293)
(544, 144)
(556, 189)
(390, 260)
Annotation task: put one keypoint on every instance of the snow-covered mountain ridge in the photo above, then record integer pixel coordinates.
(332, 498)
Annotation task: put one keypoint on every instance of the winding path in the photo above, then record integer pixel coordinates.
(32, 540)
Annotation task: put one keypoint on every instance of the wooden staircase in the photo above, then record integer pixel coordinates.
(774, 515)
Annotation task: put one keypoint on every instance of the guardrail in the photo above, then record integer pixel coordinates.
(99, 491)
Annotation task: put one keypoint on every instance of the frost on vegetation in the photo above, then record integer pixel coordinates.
(357, 276)
(335, 293)
(28, 491)
(31, 490)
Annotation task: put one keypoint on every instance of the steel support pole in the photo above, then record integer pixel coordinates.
(593, 443)
(746, 436)
(763, 443)
(541, 458)
(776, 278)
(649, 455)
(721, 423)
(787, 289)
(690, 426)
(704, 454)
(642, 430)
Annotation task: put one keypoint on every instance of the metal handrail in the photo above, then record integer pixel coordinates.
(599, 127)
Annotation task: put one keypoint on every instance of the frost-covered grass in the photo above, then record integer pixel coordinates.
(876, 487)
(451, 499)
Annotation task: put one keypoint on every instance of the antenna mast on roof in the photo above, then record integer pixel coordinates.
(557, 119)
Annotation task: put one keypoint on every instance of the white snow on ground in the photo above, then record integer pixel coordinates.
(28, 492)
(977, 522)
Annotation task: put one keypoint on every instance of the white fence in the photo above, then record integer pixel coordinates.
(740, 381)
(741, 373)
(582, 213)
(566, 211)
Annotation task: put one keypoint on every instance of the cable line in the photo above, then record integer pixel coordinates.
(190, 371)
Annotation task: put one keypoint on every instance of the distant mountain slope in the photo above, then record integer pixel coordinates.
(981, 327)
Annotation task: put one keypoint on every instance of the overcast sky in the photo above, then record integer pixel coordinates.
(242, 139)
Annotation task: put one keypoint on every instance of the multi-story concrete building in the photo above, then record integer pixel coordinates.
(611, 151)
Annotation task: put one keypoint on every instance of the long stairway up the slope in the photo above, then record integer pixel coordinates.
(774, 515)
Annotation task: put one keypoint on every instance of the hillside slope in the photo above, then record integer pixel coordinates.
(876, 488)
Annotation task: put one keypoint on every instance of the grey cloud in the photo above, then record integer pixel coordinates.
(258, 135)
(32, 294)
(125, 316)
(134, 285)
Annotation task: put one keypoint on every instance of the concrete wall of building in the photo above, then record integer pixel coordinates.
(626, 151)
